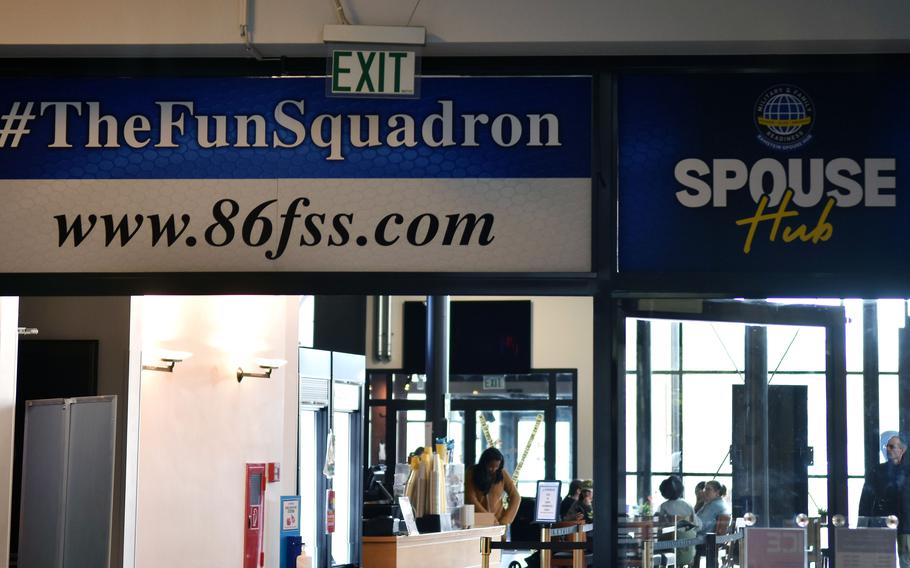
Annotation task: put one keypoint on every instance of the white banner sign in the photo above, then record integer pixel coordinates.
(515, 225)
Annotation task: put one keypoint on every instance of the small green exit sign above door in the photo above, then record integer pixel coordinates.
(373, 73)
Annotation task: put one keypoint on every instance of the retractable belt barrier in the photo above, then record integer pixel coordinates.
(710, 540)
(545, 546)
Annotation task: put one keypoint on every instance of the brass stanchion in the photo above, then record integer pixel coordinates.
(485, 549)
(647, 553)
(545, 553)
(578, 555)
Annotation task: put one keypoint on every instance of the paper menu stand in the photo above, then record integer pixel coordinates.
(547, 503)
(408, 513)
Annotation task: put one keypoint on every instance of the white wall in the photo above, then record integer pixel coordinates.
(199, 426)
(9, 349)
(562, 338)
(107, 320)
(467, 27)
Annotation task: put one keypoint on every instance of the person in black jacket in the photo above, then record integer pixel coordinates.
(571, 498)
(886, 491)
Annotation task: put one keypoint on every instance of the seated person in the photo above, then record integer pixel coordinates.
(582, 509)
(570, 498)
(672, 490)
(714, 506)
(687, 522)
(699, 496)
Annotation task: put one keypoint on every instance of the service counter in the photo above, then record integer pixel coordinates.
(450, 549)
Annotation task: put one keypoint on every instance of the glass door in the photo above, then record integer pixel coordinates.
(521, 437)
(341, 539)
(531, 412)
(742, 396)
(347, 483)
(311, 483)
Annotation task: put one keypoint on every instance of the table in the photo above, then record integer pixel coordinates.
(450, 549)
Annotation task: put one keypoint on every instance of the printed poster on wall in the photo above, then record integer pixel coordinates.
(763, 173)
(267, 174)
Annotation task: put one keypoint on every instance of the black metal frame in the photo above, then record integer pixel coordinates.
(354, 489)
(393, 406)
(324, 550)
(871, 375)
(833, 320)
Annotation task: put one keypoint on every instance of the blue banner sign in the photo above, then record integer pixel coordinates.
(762, 173)
(287, 128)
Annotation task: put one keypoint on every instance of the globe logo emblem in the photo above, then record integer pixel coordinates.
(784, 115)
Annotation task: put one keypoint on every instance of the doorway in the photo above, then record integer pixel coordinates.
(705, 388)
(47, 369)
(531, 417)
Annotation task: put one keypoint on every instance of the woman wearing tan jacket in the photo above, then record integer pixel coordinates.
(485, 484)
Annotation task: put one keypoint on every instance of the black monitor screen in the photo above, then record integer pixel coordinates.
(484, 337)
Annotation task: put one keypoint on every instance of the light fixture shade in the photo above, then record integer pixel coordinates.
(268, 364)
(169, 358)
(176, 356)
(271, 363)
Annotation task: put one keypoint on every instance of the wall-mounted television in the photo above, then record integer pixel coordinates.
(485, 337)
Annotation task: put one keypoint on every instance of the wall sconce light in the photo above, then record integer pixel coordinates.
(268, 364)
(171, 358)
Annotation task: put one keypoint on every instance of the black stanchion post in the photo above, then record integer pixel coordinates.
(711, 550)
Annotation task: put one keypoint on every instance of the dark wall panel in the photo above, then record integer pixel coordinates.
(340, 324)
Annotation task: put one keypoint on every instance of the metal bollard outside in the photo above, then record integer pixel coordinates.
(485, 550)
(545, 554)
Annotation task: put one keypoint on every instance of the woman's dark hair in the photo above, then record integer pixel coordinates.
(482, 478)
(700, 486)
(574, 487)
(671, 488)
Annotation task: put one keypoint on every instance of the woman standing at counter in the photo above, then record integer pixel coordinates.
(485, 484)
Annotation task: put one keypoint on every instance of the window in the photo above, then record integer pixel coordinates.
(508, 405)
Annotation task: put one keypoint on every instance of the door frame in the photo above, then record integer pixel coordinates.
(549, 406)
(831, 318)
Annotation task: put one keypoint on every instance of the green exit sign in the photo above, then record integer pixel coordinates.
(367, 73)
